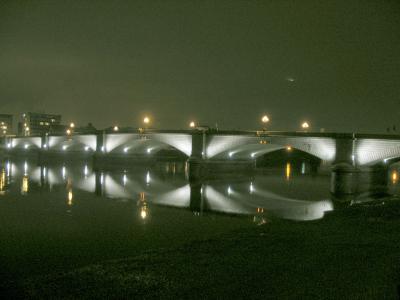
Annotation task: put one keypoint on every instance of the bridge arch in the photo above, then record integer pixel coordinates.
(72, 143)
(149, 143)
(247, 147)
(371, 152)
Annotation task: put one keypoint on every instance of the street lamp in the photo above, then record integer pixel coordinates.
(68, 132)
(116, 128)
(192, 124)
(305, 126)
(146, 120)
(72, 125)
(264, 120)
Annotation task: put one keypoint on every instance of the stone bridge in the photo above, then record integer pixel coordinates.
(208, 147)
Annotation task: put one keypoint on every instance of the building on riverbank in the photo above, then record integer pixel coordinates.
(6, 124)
(38, 123)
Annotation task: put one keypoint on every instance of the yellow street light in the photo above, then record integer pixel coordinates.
(72, 125)
(192, 124)
(265, 119)
(305, 125)
(146, 120)
(68, 132)
(116, 128)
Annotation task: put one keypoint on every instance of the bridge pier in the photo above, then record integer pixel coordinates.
(348, 178)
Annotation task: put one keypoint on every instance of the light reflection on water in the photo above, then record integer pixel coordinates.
(288, 196)
(294, 195)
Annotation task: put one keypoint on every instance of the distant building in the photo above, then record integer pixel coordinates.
(6, 124)
(38, 123)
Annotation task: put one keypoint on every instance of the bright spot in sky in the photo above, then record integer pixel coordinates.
(290, 79)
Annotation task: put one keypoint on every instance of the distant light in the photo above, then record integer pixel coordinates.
(126, 149)
(251, 188)
(143, 214)
(192, 124)
(385, 160)
(116, 128)
(265, 119)
(72, 125)
(290, 79)
(253, 154)
(394, 177)
(64, 147)
(9, 145)
(124, 179)
(305, 125)
(102, 148)
(146, 120)
(288, 171)
(86, 170)
(64, 172)
(230, 154)
(26, 146)
(149, 150)
(229, 190)
(289, 148)
(68, 132)
(148, 179)
(45, 146)
(87, 148)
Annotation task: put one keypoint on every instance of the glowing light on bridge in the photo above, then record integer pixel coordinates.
(288, 148)
(305, 125)
(265, 119)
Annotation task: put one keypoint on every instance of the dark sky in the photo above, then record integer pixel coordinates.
(212, 61)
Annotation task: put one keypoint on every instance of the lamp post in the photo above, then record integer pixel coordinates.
(264, 120)
(192, 124)
(305, 126)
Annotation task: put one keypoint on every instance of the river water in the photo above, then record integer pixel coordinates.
(64, 215)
